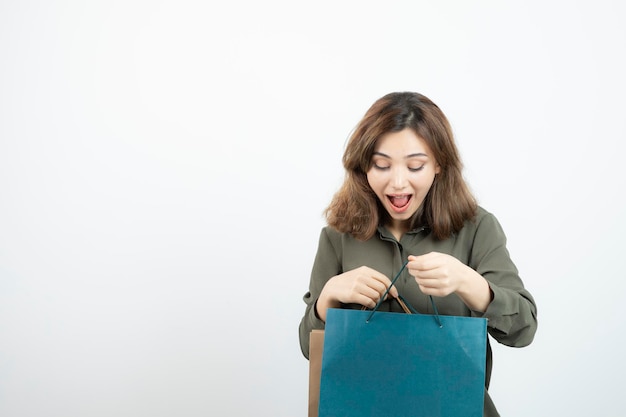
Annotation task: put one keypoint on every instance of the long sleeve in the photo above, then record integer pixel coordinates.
(512, 313)
(325, 266)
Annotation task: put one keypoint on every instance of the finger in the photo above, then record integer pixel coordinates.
(430, 291)
(428, 283)
(383, 284)
(371, 293)
(437, 292)
(441, 284)
(374, 290)
(423, 262)
(377, 282)
(393, 292)
(365, 301)
(425, 274)
(365, 295)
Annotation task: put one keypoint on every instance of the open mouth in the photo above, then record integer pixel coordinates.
(400, 202)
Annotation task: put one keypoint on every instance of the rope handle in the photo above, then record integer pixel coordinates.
(406, 306)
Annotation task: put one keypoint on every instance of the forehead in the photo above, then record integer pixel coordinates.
(403, 143)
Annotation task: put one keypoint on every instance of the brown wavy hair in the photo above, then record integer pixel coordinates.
(355, 208)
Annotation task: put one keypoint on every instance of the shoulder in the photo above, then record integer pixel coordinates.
(484, 228)
(482, 212)
(329, 236)
(340, 241)
(331, 233)
(485, 218)
(485, 222)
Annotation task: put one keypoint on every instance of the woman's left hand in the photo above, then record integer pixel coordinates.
(437, 273)
(440, 274)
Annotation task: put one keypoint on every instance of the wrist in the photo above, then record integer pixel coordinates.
(324, 302)
(475, 291)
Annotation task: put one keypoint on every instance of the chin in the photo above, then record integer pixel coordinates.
(406, 216)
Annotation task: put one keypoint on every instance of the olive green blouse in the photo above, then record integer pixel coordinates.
(480, 244)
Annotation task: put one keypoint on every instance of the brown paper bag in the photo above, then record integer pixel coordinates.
(316, 347)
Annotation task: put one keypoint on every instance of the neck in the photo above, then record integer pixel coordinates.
(398, 228)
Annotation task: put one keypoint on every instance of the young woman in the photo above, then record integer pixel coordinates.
(404, 198)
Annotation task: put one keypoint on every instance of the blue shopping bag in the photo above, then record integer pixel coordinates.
(394, 364)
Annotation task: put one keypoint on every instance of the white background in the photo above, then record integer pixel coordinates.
(164, 166)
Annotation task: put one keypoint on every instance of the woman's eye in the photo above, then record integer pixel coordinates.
(381, 167)
(415, 169)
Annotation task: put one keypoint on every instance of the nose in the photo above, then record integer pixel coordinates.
(399, 179)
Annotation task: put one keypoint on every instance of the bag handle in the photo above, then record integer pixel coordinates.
(408, 308)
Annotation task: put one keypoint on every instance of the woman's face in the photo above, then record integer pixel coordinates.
(402, 171)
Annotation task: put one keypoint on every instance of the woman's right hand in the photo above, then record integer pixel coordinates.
(362, 285)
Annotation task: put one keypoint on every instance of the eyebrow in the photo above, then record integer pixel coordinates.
(413, 155)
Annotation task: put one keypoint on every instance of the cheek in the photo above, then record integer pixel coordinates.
(374, 181)
(426, 184)
(421, 185)
(370, 178)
